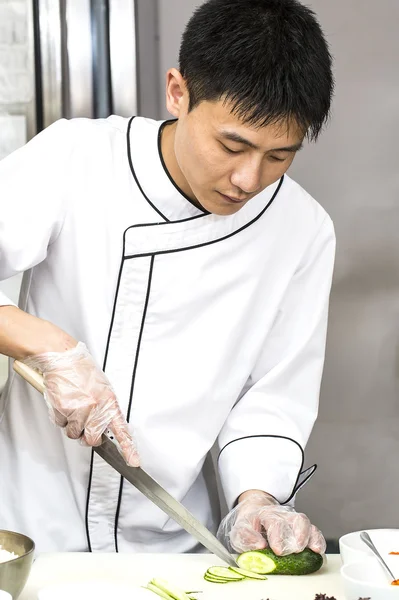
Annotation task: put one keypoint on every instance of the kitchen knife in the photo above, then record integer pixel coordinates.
(143, 482)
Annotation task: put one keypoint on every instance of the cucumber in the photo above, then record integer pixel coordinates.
(256, 562)
(225, 573)
(265, 561)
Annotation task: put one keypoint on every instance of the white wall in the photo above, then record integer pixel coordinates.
(353, 172)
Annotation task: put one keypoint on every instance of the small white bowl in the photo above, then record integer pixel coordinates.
(94, 590)
(367, 579)
(5, 595)
(352, 549)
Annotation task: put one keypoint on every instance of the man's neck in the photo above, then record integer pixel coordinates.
(169, 157)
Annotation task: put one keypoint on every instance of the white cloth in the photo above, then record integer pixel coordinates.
(207, 326)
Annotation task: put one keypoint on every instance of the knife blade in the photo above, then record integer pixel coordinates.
(144, 482)
(159, 496)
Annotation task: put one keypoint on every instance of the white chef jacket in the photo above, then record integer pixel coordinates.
(208, 327)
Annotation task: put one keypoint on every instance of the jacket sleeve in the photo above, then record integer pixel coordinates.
(32, 191)
(263, 439)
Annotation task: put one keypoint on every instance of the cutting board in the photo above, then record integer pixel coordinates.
(184, 570)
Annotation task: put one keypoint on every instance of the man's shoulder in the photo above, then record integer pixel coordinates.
(302, 199)
(102, 132)
(85, 127)
(303, 206)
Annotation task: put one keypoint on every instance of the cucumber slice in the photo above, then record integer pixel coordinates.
(256, 562)
(174, 592)
(159, 592)
(225, 573)
(248, 574)
(222, 578)
(211, 579)
(217, 579)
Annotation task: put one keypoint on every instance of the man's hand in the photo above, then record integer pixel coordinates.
(259, 521)
(81, 400)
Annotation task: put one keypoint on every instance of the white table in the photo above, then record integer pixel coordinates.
(184, 570)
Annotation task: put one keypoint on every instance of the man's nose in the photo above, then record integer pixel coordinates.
(247, 178)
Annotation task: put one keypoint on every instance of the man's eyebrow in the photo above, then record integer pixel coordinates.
(235, 137)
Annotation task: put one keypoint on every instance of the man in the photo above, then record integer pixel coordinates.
(180, 260)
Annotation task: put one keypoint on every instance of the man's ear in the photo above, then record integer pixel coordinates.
(176, 93)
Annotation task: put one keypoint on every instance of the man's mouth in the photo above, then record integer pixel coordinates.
(231, 199)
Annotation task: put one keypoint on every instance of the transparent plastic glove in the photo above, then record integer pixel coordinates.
(259, 521)
(81, 400)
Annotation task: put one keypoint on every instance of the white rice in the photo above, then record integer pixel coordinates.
(5, 556)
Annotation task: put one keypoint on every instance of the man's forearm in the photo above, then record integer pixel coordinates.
(23, 335)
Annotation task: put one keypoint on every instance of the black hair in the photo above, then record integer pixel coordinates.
(268, 58)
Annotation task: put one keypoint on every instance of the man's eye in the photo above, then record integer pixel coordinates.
(229, 150)
(276, 159)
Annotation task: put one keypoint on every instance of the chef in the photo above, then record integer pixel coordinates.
(175, 292)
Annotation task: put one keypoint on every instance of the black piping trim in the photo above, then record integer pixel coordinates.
(311, 471)
(104, 366)
(88, 502)
(204, 243)
(145, 195)
(129, 156)
(283, 437)
(147, 298)
(165, 168)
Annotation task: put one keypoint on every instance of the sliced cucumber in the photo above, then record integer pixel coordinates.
(217, 577)
(231, 574)
(159, 592)
(256, 562)
(248, 574)
(174, 592)
(211, 579)
(224, 573)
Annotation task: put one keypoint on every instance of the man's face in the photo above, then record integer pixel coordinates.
(225, 162)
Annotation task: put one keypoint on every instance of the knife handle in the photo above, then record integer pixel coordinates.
(30, 375)
(36, 380)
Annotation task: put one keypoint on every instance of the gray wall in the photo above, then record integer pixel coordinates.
(172, 17)
(353, 172)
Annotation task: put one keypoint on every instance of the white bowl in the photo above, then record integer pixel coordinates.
(5, 595)
(352, 549)
(367, 579)
(94, 590)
